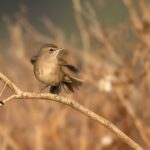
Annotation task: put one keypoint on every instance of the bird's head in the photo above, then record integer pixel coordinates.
(51, 50)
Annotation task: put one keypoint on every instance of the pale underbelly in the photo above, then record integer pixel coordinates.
(49, 76)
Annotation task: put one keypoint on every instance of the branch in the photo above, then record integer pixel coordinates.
(47, 96)
(81, 25)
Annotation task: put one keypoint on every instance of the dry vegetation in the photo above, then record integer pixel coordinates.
(116, 71)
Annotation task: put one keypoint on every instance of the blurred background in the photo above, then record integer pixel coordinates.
(109, 41)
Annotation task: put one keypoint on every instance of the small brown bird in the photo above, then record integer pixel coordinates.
(49, 68)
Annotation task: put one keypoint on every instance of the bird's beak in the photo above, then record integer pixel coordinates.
(60, 49)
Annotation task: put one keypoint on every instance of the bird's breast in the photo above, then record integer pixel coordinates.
(48, 72)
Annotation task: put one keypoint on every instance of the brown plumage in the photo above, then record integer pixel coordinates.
(50, 69)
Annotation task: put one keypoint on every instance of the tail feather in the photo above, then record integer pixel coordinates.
(55, 89)
(77, 82)
(69, 86)
(72, 84)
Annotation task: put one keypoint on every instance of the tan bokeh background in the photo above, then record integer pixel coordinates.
(115, 64)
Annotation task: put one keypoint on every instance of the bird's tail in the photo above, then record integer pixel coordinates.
(55, 89)
(72, 84)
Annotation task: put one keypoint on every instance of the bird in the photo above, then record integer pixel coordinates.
(50, 68)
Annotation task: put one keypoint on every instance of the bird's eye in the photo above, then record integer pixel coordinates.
(51, 49)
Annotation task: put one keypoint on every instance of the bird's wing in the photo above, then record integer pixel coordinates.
(33, 59)
(72, 68)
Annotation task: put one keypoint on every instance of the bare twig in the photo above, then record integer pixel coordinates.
(3, 89)
(96, 30)
(81, 25)
(47, 96)
(133, 115)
